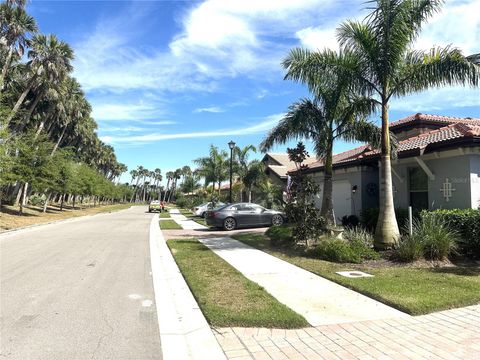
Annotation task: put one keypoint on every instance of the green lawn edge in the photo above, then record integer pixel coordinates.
(416, 291)
(169, 225)
(225, 296)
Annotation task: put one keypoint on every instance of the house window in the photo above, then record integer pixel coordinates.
(418, 186)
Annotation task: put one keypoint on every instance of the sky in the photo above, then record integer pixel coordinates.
(168, 78)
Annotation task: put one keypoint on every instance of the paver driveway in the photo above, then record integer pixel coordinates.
(80, 290)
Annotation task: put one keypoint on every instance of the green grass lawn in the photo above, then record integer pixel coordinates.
(164, 215)
(413, 290)
(169, 225)
(185, 212)
(225, 296)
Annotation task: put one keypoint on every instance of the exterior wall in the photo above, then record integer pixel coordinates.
(277, 180)
(462, 171)
(352, 176)
(475, 180)
(456, 169)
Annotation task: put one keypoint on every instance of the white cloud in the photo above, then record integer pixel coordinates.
(259, 128)
(126, 111)
(318, 38)
(438, 99)
(458, 24)
(211, 109)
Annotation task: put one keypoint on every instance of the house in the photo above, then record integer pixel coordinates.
(278, 165)
(438, 166)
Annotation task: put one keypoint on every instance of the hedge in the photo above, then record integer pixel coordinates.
(467, 223)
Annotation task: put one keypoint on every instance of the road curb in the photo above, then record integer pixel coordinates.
(55, 222)
(184, 331)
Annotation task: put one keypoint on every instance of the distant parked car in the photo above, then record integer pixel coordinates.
(238, 215)
(200, 210)
(154, 206)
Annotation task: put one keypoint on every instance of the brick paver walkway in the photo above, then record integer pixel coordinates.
(451, 334)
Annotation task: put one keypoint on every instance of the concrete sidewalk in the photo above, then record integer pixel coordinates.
(184, 222)
(319, 300)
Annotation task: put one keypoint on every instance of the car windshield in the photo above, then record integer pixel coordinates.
(155, 202)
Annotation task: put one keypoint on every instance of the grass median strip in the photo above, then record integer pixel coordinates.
(164, 215)
(415, 290)
(226, 297)
(169, 225)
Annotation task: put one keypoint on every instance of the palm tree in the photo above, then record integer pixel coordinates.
(336, 113)
(15, 25)
(254, 175)
(242, 164)
(383, 65)
(49, 59)
(214, 167)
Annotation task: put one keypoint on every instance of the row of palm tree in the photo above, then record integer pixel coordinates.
(215, 169)
(376, 63)
(40, 99)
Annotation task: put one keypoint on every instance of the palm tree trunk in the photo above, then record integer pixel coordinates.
(386, 233)
(45, 205)
(5, 67)
(32, 107)
(59, 141)
(327, 198)
(20, 101)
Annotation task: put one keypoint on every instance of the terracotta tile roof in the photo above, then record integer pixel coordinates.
(344, 157)
(435, 119)
(456, 130)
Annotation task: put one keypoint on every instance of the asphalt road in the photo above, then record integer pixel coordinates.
(79, 290)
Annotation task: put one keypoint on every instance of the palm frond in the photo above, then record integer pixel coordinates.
(303, 120)
(438, 67)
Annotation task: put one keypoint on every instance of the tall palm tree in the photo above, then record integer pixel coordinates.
(49, 59)
(335, 113)
(254, 175)
(242, 163)
(383, 65)
(15, 26)
(214, 167)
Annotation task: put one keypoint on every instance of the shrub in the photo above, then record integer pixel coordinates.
(359, 234)
(350, 221)
(369, 217)
(467, 223)
(431, 237)
(36, 200)
(280, 235)
(342, 251)
(410, 248)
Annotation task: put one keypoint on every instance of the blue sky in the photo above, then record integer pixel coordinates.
(168, 78)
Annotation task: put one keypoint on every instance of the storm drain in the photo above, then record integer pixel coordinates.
(353, 274)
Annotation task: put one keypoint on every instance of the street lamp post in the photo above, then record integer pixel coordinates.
(231, 145)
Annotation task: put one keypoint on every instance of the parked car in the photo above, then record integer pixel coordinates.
(238, 215)
(200, 210)
(154, 206)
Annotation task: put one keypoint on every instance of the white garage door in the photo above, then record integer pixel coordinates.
(342, 198)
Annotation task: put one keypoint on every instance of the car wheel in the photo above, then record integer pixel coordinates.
(229, 224)
(277, 220)
(203, 215)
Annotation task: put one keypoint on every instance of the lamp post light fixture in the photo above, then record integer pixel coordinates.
(231, 145)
